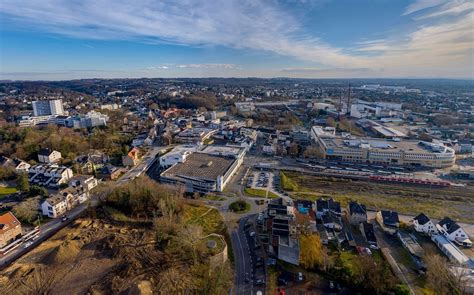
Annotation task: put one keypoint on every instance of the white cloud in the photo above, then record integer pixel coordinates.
(443, 49)
(207, 66)
(249, 24)
(455, 7)
(152, 68)
(421, 5)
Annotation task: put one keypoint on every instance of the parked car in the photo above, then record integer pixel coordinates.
(300, 277)
(331, 285)
(282, 282)
(271, 261)
(64, 218)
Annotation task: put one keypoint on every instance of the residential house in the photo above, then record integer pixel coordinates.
(49, 175)
(89, 163)
(56, 205)
(48, 156)
(18, 165)
(324, 206)
(109, 172)
(282, 228)
(21, 166)
(423, 224)
(139, 140)
(305, 216)
(75, 195)
(367, 230)
(357, 213)
(388, 220)
(86, 181)
(132, 158)
(453, 232)
(10, 228)
(268, 148)
(332, 221)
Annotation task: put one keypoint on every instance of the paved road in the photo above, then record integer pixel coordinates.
(242, 255)
(245, 257)
(143, 166)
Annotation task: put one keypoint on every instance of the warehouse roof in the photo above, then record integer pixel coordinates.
(201, 166)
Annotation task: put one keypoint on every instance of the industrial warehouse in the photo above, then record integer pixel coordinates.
(208, 170)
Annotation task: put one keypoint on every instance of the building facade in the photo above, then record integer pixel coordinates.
(386, 152)
(50, 107)
(10, 228)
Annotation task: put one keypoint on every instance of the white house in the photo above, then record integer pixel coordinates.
(268, 149)
(423, 224)
(357, 213)
(453, 232)
(21, 166)
(48, 156)
(88, 182)
(56, 205)
(49, 175)
(75, 195)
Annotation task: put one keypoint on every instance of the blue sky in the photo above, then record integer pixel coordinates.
(68, 39)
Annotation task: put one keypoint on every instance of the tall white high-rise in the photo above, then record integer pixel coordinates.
(48, 107)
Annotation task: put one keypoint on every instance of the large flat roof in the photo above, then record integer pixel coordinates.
(376, 144)
(201, 166)
(222, 150)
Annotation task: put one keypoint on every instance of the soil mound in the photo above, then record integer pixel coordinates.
(67, 251)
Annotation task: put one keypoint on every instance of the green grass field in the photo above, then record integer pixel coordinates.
(259, 193)
(287, 183)
(208, 218)
(5, 191)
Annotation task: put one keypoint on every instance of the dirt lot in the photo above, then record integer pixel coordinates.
(107, 256)
(456, 202)
(79, 258)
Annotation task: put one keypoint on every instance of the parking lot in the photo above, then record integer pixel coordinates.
(260, 179)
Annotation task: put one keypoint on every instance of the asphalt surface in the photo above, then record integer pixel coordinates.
(147, 161)
(246, 271)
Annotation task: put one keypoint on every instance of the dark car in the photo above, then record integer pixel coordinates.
(282, 282)
(259, 282)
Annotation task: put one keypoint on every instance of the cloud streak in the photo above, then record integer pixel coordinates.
(248, 24)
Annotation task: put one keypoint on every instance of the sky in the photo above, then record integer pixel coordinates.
(71, 39)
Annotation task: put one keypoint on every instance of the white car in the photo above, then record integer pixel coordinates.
(27, 244)
(300, 277)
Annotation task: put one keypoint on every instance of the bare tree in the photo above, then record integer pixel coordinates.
(441, 279)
